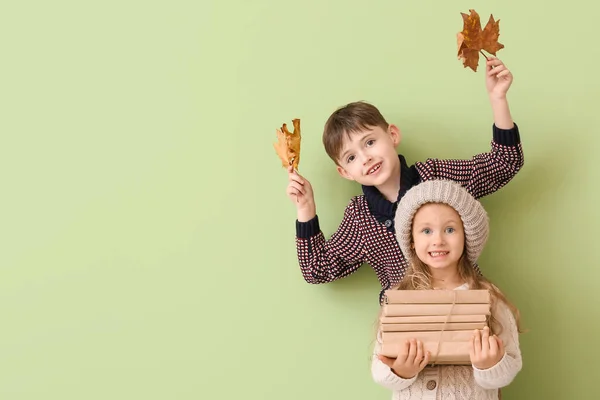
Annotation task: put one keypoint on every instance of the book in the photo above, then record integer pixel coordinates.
(404, 310)
(435, 326)
(455, 353)
(444, 320)
(418, 319)
(436, 296)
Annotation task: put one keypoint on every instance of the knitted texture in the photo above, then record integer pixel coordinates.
(472, 213)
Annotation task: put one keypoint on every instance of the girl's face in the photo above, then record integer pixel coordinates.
(438, 236)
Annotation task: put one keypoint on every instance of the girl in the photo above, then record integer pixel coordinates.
(442, 230)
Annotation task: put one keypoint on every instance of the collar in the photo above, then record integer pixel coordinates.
(382, 208)
(464, 286)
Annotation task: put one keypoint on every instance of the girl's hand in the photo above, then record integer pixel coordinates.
(411, 359)
(487, 350)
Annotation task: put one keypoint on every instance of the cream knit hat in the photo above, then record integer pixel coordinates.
(472, 213)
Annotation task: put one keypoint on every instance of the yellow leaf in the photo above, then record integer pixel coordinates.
(288, 144)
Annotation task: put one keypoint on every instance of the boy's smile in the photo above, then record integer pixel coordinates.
(374, 169)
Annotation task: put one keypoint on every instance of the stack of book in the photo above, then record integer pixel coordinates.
(444, 320)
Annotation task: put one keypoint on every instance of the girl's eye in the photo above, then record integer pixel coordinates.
(370, 142)
(427, 231)
(350, 159)
(450, 230)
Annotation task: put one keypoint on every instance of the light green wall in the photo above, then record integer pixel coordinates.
(147, 242)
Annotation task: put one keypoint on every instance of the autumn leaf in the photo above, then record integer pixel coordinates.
(469, 57)
(288, 144)
(490, 35)
(472, 39)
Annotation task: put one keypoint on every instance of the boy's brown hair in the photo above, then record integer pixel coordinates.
(351, 118)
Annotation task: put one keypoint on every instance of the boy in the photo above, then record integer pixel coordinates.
(363, 146)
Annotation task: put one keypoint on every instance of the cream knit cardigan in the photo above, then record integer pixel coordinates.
(448, 382)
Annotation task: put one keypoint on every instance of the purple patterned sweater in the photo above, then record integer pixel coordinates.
(366, 233)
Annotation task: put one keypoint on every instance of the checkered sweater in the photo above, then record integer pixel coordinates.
(366, 233)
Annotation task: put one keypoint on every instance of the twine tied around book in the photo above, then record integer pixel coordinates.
(437, 352)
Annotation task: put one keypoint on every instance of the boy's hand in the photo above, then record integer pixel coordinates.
(411, 359)
(498, 78)
(300, 192)
(487, 350)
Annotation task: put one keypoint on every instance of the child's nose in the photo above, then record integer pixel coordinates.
(438, 239)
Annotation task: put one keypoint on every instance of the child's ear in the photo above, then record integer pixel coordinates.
(395, 133)
(344, 174)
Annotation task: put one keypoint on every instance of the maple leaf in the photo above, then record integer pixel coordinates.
(288, 144)
(472, 39)
(469, 57)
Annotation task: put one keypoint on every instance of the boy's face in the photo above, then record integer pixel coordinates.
(369, 157)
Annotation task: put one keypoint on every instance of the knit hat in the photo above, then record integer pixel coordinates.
(472, 213)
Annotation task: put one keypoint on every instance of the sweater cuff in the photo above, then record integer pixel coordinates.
(384, 376)
(507, 137)
(496, 376)
(308, 229)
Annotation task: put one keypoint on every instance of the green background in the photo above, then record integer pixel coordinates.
(147, 242)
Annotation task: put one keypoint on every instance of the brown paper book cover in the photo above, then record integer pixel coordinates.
(436, 296)
(456, 353)
(427, 336)
(403, 310)
(436, 326)
(420, 319)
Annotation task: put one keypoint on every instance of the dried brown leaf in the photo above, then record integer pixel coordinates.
(472, 39)
(288, 144)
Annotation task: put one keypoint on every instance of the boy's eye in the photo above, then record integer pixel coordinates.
(350, 159)
(450, 230)
(370, 142)
(426, 231)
